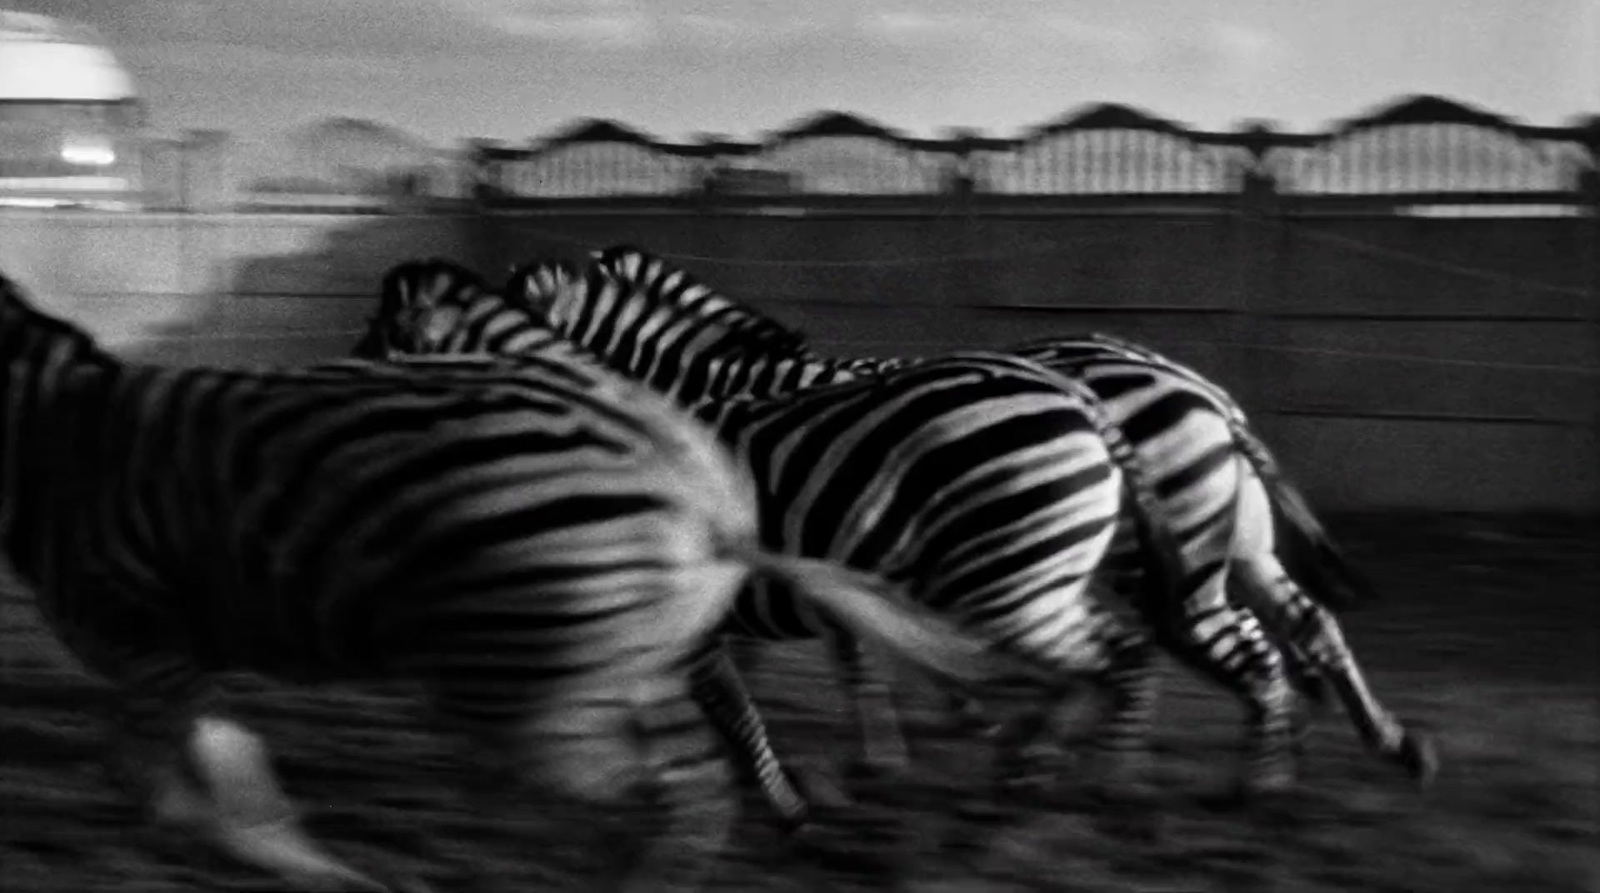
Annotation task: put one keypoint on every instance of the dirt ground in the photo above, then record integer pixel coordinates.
(1490, 635)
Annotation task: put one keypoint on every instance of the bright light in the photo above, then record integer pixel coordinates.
(91, 154)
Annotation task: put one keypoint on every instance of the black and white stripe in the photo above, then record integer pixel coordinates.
(544, 546)
(1214, 483)
(893, 475)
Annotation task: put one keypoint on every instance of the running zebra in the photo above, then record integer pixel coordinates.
(434, 307)
(1214, 483)
(541, 544)
(993, 503)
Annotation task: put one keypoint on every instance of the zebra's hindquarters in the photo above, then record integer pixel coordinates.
(565, 655)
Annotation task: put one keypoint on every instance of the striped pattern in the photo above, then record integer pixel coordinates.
(544, 546)
(1214, 483)
(893, 475)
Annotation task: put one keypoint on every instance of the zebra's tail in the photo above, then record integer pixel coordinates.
(1305, 547)
(863, 604)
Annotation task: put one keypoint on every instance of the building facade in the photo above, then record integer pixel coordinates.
(70, 119)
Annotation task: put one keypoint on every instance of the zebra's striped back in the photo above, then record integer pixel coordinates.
(664, 284)
(686, 357)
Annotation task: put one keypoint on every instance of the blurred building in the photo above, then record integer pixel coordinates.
(69, 117)
(343, 162)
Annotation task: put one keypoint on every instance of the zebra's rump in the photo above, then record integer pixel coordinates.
(963, 477)
(312, 519)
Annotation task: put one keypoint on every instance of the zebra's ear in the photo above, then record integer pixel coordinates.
(439, 322)
(623, 259)
(535, 286)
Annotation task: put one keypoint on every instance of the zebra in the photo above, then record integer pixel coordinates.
(1215, 482)
(434, 307)
(542, 545)
(997, 444)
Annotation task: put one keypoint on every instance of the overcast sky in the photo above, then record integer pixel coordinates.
(509, 69)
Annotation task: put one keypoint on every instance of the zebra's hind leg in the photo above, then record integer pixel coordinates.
(1120, 660)
(1304, 675)
(693, 782)
(1294, 616)
(883, 745)
(1028, 746)
(1187, 603)
(1127, 676)
(722, 694)
(609, 745)
(1229, 645)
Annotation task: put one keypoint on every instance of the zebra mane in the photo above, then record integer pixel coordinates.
(435, 279)
(24, 328)
(670, 286)
(416, 296)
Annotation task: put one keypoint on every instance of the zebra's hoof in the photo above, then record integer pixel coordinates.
(1419, 755)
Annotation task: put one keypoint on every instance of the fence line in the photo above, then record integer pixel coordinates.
(1419, 147)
